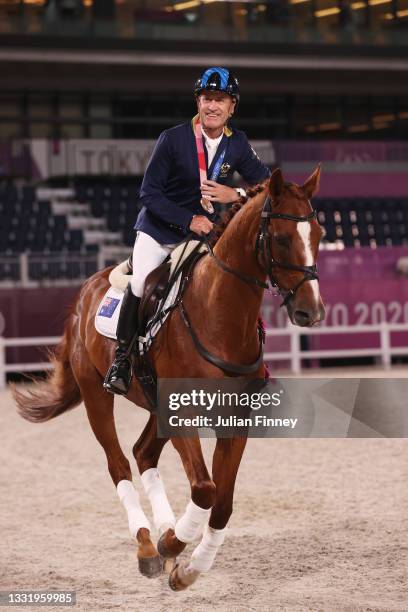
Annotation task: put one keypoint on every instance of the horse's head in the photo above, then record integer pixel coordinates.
(289, 244)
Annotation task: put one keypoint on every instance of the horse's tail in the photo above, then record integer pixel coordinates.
(53, 396)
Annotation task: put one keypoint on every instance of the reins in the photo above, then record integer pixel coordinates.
(228, 366)
(244, 277)
(263, 250)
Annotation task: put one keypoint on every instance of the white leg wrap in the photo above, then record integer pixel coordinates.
(192, 522)
(162, 513)
(131, 502)
(204, 555)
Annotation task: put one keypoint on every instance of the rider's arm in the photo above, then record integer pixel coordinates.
(153, 190)
(250, 167)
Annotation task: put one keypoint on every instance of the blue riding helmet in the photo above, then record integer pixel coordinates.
(218, 79)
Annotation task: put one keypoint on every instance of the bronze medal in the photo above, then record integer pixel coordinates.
(206, 204)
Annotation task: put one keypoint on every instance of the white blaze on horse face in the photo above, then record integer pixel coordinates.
(304, 230)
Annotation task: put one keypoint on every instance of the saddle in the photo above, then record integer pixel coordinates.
(154, 308)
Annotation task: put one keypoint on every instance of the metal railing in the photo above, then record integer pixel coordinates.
(384, 351)
(288, 29)
(23, 367)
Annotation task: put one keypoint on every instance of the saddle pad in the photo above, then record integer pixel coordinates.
(107, 315)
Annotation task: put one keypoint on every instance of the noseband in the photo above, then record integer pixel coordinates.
(263, 250)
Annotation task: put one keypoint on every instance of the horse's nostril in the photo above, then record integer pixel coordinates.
(301, 318)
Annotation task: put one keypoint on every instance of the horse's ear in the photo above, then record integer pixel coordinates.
(311, 186)
(276, 183)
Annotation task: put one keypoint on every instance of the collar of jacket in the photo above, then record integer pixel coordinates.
(227, 130)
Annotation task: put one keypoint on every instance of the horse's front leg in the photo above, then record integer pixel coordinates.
(191, 524)
(226, 460)
(147, 451)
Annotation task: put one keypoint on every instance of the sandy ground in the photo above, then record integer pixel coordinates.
(318, 525)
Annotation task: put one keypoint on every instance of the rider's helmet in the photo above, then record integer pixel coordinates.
(218, 79)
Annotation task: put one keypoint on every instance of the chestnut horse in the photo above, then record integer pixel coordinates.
(274, 234)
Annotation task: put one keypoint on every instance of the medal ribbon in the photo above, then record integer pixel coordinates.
(202, 165)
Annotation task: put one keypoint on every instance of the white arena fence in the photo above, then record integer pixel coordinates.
(383, 352)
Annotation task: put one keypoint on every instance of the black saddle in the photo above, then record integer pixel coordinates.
(158, 285)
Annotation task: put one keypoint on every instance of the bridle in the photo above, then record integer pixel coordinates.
(263, 254)
(263, 251)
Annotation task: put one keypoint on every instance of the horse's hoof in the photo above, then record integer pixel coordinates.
(180, 578)
(163, 548)
(151, 567)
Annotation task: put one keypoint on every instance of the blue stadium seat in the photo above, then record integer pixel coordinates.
(75, 240)
(73, 270)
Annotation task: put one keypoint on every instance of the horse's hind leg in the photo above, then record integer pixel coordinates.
(147, 452)
(99, 407)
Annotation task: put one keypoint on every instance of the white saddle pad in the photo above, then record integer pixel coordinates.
(107, 315)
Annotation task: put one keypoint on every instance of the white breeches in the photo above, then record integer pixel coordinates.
(147, 255)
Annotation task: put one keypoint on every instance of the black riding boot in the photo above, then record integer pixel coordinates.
(119, 375)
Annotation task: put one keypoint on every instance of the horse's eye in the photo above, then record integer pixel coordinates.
(282, 241)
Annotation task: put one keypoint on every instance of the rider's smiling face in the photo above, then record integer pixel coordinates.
(214, 109)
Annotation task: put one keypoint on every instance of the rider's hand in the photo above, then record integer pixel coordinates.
(201, 225)
(218, 193)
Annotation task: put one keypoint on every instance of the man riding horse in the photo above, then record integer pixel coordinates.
(191, 168)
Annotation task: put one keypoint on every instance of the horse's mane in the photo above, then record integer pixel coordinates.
(228, 215)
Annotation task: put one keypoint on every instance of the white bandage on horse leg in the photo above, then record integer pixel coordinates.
(192, 522)
(204, 555)
(131, 502)
(162, 513)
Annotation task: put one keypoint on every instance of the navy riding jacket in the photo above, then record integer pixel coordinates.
(170, 192)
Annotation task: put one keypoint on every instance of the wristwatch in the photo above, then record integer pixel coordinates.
(241, 191)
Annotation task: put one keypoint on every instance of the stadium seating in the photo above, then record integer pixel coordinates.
(359, 222)
(119, 204)
(30, 225)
